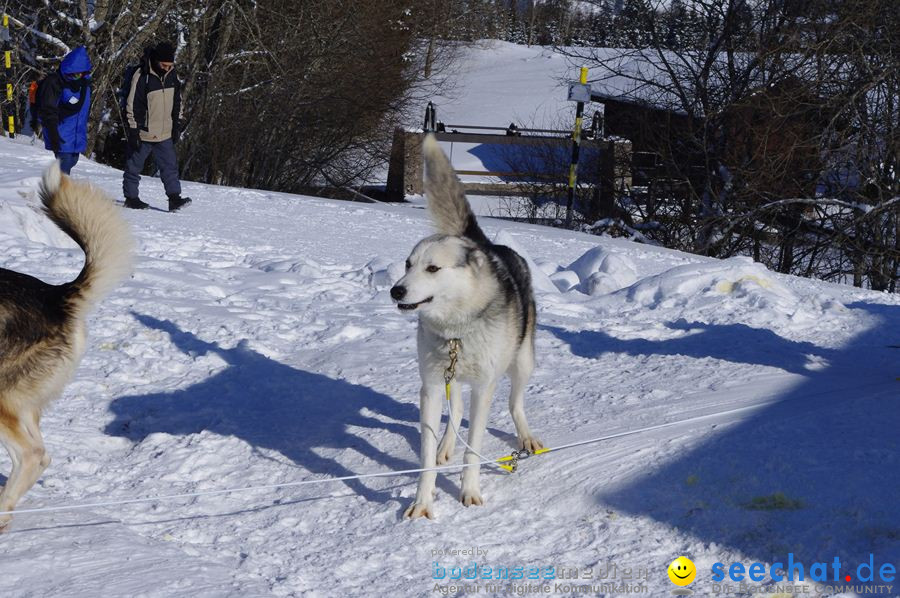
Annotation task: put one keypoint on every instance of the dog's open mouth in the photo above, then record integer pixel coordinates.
(411, 306)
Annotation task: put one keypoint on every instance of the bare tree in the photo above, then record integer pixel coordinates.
(777, 120)
(309, 93)
(277, 94)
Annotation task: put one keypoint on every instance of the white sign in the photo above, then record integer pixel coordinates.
(579, 92)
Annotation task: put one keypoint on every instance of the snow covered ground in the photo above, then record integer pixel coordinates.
(256, 344)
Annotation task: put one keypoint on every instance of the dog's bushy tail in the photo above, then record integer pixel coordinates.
(93, 221)
(447, 202)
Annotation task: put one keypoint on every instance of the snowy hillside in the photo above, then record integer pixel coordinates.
(507, 83)
(496, 83)
(256, 344)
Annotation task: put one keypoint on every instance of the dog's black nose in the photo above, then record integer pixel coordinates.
(398, 292)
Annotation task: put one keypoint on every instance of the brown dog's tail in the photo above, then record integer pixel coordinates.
(93, 221)
(447, 201)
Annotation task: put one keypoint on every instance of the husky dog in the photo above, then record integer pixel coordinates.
(42, 330)
(467, 288)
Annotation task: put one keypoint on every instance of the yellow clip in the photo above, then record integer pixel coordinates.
(508, 468)
(517, 456)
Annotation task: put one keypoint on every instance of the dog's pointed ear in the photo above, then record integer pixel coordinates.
(446, 196)
(476, 257)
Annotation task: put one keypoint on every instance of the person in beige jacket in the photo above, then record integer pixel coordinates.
(153, 114)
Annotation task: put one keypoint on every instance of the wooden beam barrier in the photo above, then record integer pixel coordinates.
(509, 175)
(405, 169)
(495, 139)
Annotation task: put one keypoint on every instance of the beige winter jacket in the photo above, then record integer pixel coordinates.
(154, 104)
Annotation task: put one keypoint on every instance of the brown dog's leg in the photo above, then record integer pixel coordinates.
(22, 438)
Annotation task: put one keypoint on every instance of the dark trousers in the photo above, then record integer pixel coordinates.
(164, 156)
(67, 160)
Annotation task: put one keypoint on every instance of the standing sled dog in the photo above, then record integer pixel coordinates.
(42, 326)
(468, 289)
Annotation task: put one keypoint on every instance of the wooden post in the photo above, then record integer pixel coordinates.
(395, 189)
(405, 169)
(413, 165)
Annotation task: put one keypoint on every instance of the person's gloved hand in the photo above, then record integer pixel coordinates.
(55, 140)
(134, 139)
(176, 133)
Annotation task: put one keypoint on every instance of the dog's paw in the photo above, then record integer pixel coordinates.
(419, 509)
(471, 497)
(444, 454)
(4, 521)
(531, 444)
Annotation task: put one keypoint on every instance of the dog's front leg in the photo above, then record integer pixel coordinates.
(448, 442)
(429, 420)
(482, 394)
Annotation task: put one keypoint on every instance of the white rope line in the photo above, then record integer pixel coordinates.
(381, 474)
(663, 426)
(165, 497)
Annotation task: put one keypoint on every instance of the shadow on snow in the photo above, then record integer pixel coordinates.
(300, 414)
(816, 474)
(737, 343)
(274, 406)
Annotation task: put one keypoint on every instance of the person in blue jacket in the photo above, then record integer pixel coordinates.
(63, 105)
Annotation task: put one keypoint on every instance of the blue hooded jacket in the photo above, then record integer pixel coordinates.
(64, 103)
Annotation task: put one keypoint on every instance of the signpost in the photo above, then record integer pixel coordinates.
(578, 92)
(9, 102)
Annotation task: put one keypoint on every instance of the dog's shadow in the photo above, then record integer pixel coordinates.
(306, 417)
(737, 343)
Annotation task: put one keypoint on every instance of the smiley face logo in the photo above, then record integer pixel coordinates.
(682, 571)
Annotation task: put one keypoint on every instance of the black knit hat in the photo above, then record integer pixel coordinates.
(163, 52)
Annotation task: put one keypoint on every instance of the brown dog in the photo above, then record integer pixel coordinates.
(42, 326)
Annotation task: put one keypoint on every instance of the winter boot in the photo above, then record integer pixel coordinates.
(135, 204)
(176, 202)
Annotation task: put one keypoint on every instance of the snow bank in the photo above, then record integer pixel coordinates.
(738, 286)
(597, 272)
(738, 276)
(22, 216)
